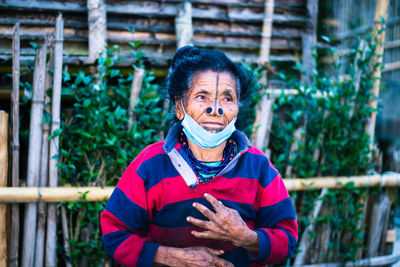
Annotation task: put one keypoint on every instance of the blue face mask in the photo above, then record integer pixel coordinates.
(202, 137)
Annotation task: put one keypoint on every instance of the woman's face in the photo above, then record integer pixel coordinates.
(211, 100)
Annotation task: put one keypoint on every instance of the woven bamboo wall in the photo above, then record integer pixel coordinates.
(233, 26)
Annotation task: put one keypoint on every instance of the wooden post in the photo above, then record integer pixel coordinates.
(262, 137)
(42, 207)
(183, 24)
(267, 30)
(50, 259)
(35, 143)
(297, 138)
(380, 12)
(3, 182)
(15, 222)
(305, 241)
(262, 124)
(97, 21)
(378, 218)
(135, 91)
(64, 224)
(309, 40)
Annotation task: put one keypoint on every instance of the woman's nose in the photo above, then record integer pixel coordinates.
(215, 111)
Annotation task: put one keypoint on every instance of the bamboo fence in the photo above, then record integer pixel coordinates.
(51, 241)
(15, 144)
(3, 182)
(58, 194)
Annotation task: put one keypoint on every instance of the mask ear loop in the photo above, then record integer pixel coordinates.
(183, 107)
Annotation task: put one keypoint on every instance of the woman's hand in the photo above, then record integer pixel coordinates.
(226, 225)
(191, 256)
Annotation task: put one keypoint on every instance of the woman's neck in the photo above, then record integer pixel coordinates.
(207, 154)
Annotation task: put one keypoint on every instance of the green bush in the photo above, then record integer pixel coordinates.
(330, 114)
(96, 145)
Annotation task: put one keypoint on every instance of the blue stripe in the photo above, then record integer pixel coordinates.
(265, 247)
(270, 215)
(155, 169)
(113, 240)
(291, 240)
(131, 214)
(174, 215)
(253, 166)
(238, 256)
(147, 255)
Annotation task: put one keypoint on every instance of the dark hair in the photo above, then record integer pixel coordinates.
(190, 60)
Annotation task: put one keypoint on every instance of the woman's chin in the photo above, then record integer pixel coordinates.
(213, 130)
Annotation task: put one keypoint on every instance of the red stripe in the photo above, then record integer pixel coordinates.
(254, 150)
(290, 226)
(151, 151)
(110, 223)
(174, 189)
(128, 252)
(279, 245)
(133, 187)
(272, 194)
(182, 237)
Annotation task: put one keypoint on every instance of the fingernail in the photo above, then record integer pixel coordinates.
(188, 219)
(205, 194)
(194, 204)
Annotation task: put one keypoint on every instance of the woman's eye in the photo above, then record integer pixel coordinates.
(228, 98)
(200, 97)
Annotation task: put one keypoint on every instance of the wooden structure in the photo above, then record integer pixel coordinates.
(233, 26)
(344, 23)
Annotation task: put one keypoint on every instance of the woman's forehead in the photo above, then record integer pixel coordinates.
(212, 80)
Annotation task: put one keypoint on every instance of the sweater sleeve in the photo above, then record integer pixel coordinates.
(125, 221)
(276, 224)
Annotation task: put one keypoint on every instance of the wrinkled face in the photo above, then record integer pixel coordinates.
(211, 100)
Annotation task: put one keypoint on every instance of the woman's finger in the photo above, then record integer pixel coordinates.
(200, 223)
(223, 263)
(206, 212)
(217, 252)
(207, 235)
(217, 205)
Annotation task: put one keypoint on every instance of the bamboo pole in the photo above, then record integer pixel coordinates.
(15, 222)
(35, 142)
(53, 194)
(375, 261)
(305, 241)
(94, 194)
(309, 41)
(380, 12)
(263, 121)
(135, 91)
(42, 207)
(183, 24)
(64, 223)
(267, 30)
(50, 259)
(3, 182)
(379, 217)
(97, 21)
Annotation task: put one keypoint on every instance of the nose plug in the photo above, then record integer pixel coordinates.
(209, 111)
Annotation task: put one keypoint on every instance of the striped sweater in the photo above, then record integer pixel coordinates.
(150, 203)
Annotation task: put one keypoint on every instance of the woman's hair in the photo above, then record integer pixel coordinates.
(189, 61)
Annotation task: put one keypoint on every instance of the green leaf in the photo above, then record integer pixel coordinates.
(325, 38)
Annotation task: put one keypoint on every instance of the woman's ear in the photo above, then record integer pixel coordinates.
(178, 108)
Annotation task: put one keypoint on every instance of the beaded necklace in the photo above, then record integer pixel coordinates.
(206, 171)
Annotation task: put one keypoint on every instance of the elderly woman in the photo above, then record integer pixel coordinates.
(204, 196)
